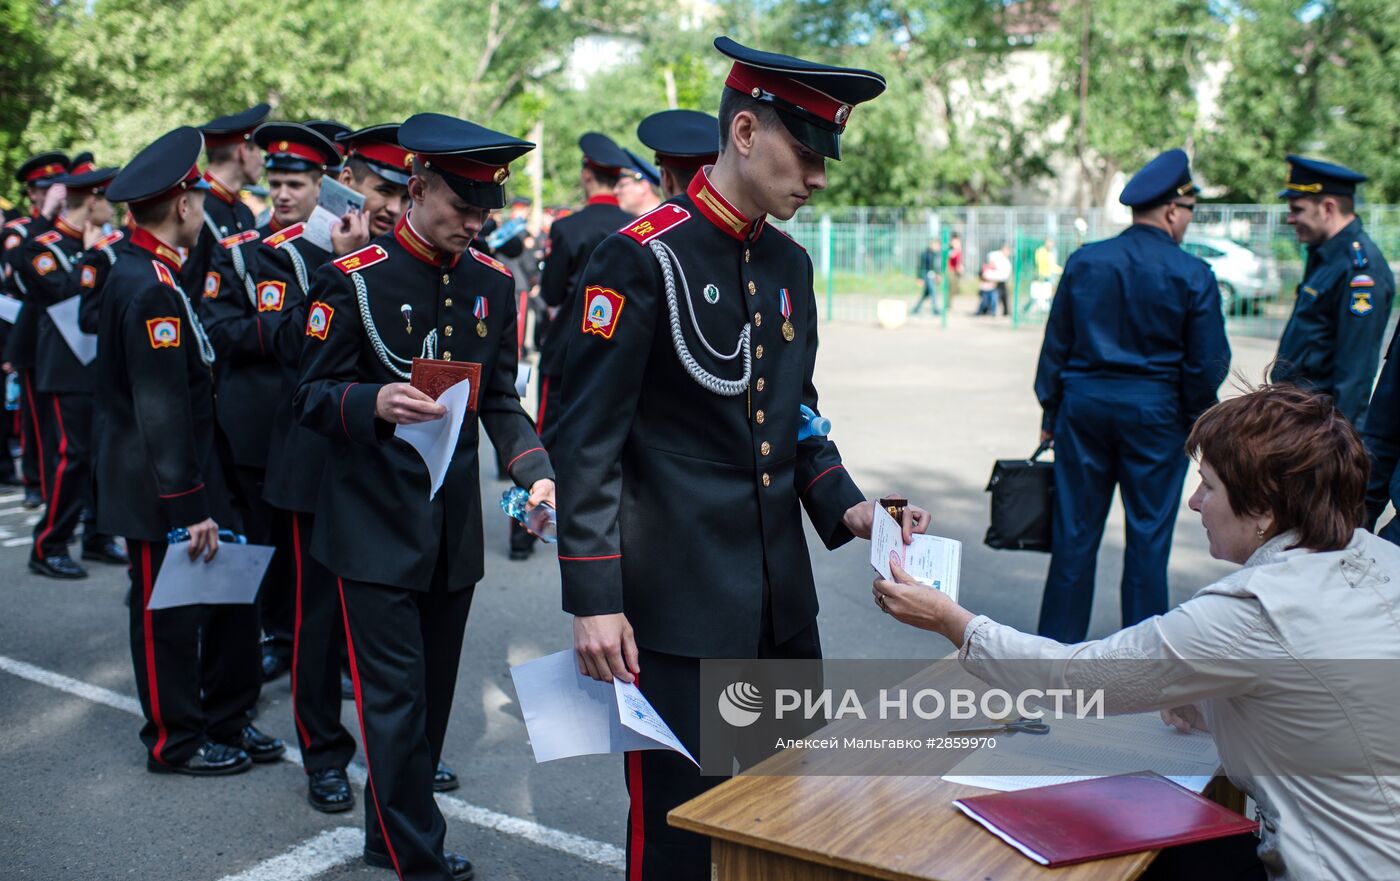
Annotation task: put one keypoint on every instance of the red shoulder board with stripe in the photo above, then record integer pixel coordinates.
(49, 237)
(366, 256)
(285, 235)
(163, 273)
(17, 222)
(238, 238)
(786, 236)
(110, 238)
(654, 223)
(491, 262)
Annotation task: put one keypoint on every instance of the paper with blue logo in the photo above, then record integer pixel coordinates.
(930, 559)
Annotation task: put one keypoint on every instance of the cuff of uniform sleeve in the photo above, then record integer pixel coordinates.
(357, 417)
(592, 585)
(1047, 420)
(530, 466)
(185, 508)
(827, 499)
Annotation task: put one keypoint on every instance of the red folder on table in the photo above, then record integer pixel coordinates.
(1100, 818)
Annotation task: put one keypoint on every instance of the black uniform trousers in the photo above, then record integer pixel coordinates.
(404, 646)
(197, 667)
(318, 632)
(659, 780)
(70, 482)
(275, 596)
(34, 459)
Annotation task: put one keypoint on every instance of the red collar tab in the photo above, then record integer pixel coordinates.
(284, 235)
(142, 238)
(718, 210)
(753, 81)
(467, 168)
(418, 246)
(491, 262)
(384, 153)
(602, 199)
(61, 224)
(18, 222)
(361, 259)
(299, 151)
(48, 238)
(110, 238)
(655, 222)
(43, 171)
(220, 189)
(238, 238)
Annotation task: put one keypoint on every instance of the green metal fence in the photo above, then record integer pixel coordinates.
(865, 255)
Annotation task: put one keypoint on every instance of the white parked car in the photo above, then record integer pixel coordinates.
(1246, 279)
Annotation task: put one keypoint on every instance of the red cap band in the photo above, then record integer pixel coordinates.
(226, 138)
(44, 171)
(300, 151)
(463, 167)
(189, 180)
(384, 153)
(747, 79)
(81, 168)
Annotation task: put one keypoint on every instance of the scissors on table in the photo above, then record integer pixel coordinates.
(1022, 725)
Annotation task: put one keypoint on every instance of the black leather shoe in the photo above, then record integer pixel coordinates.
(445, 779)
(328, 791)
(347, 688)
(210, 760)
(458, 865)
(259, 747)
(32, 499)
(57, 566)
(274, 664)
(105, 549)
(521, 553)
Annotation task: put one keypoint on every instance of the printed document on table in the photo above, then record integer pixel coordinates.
(9, 308)
(233, 576)
(1083, 749)
(568, 714)
(335, 200)
(930, 559)
(436, 441)
(65, 318)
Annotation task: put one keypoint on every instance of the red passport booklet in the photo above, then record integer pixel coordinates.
(1105, 817)
(433, 376)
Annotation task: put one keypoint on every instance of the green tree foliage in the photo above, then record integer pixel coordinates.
(24, 68)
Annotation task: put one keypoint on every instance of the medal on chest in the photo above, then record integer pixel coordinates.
(785, 307)
(481, 310)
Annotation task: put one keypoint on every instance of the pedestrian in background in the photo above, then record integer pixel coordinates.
(929, 264)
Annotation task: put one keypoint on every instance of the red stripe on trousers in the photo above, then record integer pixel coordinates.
(34, 427)
(360, 714)
(296, 629)
(57, 481)
(147, 582)
(544, 399)
(638, 832)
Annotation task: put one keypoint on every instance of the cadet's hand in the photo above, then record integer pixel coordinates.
(204, 538)
(402, 404)
(351, 233)
(541, 491)
(919, 605)
(53, 201)
(1184, 719)
(1047, 438)
(606, 647)
(860, 518)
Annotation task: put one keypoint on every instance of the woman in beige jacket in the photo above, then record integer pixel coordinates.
(1293, 662)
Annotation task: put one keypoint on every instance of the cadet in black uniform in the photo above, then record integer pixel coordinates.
(51, 275)
(1333, 339)
(693, 407)
(196, 666)
(377, 168)
(296, 455)
(408, 559)
(684, 141)
(36, 458)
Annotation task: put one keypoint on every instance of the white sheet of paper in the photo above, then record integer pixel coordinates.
(436, 441)
(522, 379)
(9, 308)
(331, 205)
(931, 559)
(233, 576)
(1083, 749)
(568, 714)
(65, 317)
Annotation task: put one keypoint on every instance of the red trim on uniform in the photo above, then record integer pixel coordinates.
(523, 455)
(383, 153)
(544, 400)
(299, 151)
(61, 224)
(715, 208)
(820, 476)
(591, 559)
(296, 629)
(142, 238)
(461, 166)
(197, 487)
(220, 190)
(147, 583)
(637, 821)
(38, 437)
(602, 199)
(744, 78)
(343, 427)
(360, 714)
(57, 481)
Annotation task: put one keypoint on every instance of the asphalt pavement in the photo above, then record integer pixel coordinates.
(920, 410)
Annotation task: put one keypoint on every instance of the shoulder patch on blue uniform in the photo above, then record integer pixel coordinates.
(1361, 302)
(1363, 281)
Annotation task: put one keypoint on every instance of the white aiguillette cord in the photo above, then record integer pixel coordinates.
(386, 357)
(670, 266)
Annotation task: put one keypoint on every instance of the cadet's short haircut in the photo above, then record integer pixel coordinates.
(607, 180)
(221, 153)
(1345, 204)
(151, 213)
(430, 177)
(359, 168)
(75, 199)
(731, 103)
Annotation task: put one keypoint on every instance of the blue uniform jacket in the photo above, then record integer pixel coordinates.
(1135, 306)
(1382, 437)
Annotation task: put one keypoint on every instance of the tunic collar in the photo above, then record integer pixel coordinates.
(418, 246)
(142, 238)
(220, 189)
(1340, 242)
(719, 210)
(602, 199)
(61, 224)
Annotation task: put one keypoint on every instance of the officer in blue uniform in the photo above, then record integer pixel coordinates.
(1333, 340)
(684, 141)
(1134, 351)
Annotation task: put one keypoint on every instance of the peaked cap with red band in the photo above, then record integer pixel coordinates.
(813, 100)
(683, 139)
(378, 147)
(82, 164)
(161, 171)
(235, 127)
(291, 146)
(94, 179)
(474, 161)
(42, 169)
(603, 153)
(332, 129)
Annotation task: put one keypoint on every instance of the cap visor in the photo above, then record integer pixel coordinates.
(392, 175)
(481, 195)
(827, 143)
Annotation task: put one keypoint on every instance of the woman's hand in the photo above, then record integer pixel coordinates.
(919, 605)
(859, 519)
(1185, 719)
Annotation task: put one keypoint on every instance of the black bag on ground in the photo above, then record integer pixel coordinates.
(1023, 499)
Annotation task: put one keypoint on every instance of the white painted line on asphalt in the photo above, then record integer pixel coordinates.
(17, 509)
(578, 846)
(16, 542)
(6, 498)
(318, 854)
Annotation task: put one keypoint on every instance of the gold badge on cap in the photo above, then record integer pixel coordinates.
(500, 176)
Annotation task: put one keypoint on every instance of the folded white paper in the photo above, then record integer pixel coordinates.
(436, 441)
(65, 318)
(522, 379)
(9, 308)
(233, 576)
(930, 559)
(568, 714)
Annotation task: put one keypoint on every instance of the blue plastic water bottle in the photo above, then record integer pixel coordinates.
(180, 533)
(812, 425)
(12, 391)
(539, 521)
